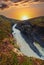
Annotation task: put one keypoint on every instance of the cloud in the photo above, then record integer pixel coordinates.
(3, 6)
(7, 3)
(16, 1)
(25, 0)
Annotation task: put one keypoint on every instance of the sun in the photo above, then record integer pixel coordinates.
(24, 17)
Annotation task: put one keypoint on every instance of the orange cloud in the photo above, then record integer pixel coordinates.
(17, 3)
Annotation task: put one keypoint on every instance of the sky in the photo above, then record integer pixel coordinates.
(18, 8)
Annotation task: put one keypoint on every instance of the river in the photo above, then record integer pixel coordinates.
(30, 50)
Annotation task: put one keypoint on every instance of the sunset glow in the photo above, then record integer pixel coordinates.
(24, 17)
(21, 12)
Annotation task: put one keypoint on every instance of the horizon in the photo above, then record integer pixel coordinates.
(30, 10)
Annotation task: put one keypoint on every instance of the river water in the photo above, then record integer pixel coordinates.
(27, 49)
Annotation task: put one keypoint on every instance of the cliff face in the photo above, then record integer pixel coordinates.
(35, 25)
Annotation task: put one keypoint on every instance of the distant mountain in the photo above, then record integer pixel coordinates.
(38, 21)
(13, 21)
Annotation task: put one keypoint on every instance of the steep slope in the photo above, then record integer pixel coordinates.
(5, 28)
(38, 21)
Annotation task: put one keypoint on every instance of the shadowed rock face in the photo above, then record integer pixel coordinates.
(24, 27)
(36, 32)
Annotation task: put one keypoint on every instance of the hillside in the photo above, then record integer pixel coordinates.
(8, 43)
(38, 21)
